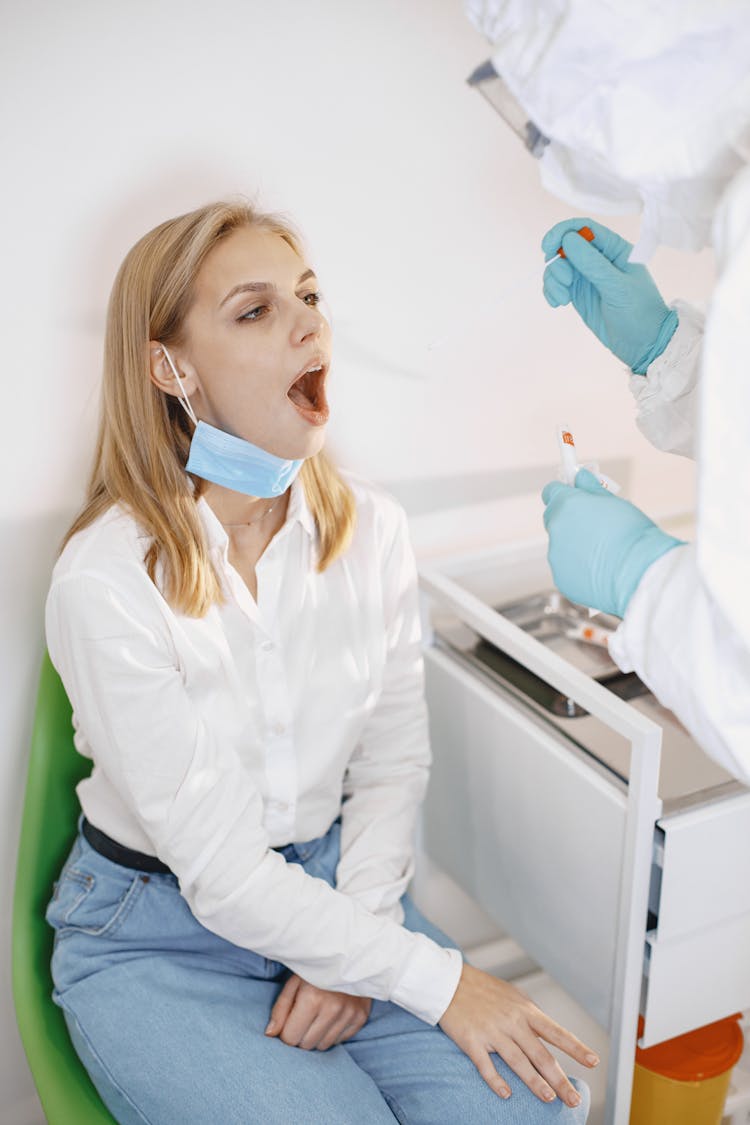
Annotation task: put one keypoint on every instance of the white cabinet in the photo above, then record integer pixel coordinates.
(633, 894)
(527, 827)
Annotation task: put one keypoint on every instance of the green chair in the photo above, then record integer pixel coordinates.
(48, 828)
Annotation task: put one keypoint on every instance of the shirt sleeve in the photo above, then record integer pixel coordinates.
(387, 774)
(695, 663)
(667, 395)
(204, 817)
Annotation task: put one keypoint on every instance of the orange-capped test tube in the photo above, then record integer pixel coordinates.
(585, 232)
(568, 459)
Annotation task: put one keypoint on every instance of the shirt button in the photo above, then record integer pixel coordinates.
(278, 728)
(267, 646)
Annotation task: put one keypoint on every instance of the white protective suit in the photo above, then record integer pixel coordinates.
(644, 102)
(648, 107)
(686, 631)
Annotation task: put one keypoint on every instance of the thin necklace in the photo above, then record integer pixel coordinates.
(250, 523)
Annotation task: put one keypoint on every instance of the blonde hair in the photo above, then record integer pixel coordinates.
(144, 435)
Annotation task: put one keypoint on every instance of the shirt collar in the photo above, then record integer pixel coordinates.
(299, 509)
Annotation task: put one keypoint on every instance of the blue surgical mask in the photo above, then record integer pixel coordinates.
(231, 461)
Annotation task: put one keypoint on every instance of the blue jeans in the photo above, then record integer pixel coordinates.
(168, 1019)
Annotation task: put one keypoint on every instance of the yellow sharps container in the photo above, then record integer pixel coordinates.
(684, 1081)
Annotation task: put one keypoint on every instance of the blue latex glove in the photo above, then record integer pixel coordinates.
(618, 301)
(599, 544)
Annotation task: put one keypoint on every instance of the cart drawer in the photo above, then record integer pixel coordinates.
(696, 979)
(705, 866)
(530, 826)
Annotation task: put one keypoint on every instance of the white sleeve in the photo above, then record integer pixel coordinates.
(679, 643)
(667, 395)
(204, 817)
(387, 774)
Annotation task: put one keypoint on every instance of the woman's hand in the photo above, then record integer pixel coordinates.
(313, 1019)
(487, 1014)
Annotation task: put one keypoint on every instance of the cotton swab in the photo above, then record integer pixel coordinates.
(569, 470)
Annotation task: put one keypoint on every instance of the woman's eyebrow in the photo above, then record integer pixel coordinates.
(260, 286)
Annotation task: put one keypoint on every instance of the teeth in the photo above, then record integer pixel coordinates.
(308, 371)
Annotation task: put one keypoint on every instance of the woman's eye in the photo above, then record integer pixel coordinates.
(313, 298)
(254, 314)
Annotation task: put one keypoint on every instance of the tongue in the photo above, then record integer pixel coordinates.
(296, 394)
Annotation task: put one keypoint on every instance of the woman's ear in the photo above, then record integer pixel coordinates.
(162, 374)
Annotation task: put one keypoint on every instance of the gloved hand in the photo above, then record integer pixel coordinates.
(618, 301)
(599, 544)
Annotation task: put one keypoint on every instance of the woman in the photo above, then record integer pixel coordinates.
(236, 626)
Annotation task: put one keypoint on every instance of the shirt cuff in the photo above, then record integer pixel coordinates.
(429, 982)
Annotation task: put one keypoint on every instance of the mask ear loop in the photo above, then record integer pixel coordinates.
(183, 399)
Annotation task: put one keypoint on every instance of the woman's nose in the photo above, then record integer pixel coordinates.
(309, 323)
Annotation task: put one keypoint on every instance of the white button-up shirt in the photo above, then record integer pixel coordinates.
(216, 739)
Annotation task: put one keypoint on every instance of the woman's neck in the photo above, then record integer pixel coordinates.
(236, 510)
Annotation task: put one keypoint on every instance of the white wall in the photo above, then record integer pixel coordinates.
(353, 116)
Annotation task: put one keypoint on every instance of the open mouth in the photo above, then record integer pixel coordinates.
(307, 394)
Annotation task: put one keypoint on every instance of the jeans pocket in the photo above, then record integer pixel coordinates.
(95, 904)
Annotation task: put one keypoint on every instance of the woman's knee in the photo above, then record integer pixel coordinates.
(536, 1112)
(581, 1113)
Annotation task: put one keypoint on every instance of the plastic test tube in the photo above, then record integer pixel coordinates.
(568, 470)
(568, 461)
(590, 634)
(585, 232)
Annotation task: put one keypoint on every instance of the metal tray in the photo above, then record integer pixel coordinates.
(549, 617)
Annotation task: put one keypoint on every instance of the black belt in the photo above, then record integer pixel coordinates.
(118, 853)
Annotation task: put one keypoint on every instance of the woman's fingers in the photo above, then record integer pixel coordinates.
(354, 1024)
(546, 1072)
(543, 1076)
(317, 1019)
(518, 1061)
(480, 1056)
(344, 1028)
(318, 1032)
(487, 1015)
(283, 1005)
(307, 1007)
(560, 1037)
(346, 1024)
(349, 1030)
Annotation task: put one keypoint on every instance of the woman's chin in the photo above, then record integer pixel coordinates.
(297, 444)
(315, 444)
(306, 446)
